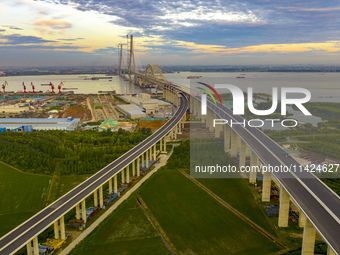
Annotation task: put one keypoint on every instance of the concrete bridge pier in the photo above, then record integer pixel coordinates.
(147, 158)
(226, 131)
(266, 186)
(302, 218)
(122, 173)
(95, 198)
(154, 152)
(197, 109)
(29, 247)
(193, 108)
(110, 185)
(127, 174)
(101, 196)
(207, 118)
(59, 227)
(56, 229)
(62, 229)
(115, 184)
(211, 121)
(164, 149)
(134, 168)
(308, 240)
(235, 143)
(254, 161)
(83, 211)
(143, 161)
(138, 167)
(218, 129)
(78, 211)
(180, 127)
(284, 208)
(160, 145)
(175, 129)
(35, 246)
(242, 158)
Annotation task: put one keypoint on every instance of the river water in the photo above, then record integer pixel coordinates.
(324, 87)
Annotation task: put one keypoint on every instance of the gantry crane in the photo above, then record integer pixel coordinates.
(4, 86)
(52, 87)
(59, 87)
(32, 87)
(23, 84)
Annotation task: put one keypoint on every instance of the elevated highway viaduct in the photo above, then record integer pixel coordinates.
(127, 165)
(319, 206)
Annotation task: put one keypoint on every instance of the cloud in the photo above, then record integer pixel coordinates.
(107, 50)
(13, 27)
(17, 39)
(2, 30)
(55, 24)
(40, 47)
(71, 39)
(327, 9)
(229, 23)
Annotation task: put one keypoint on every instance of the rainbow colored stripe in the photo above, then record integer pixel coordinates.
(207, 91)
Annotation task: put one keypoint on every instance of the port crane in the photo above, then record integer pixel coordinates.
(52, 87)
(32, 87)
(59, 87)
(23, 84)
(4, 86)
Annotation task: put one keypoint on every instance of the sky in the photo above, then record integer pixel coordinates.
(169, 32)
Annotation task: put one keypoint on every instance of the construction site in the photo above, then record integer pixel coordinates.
(50, 110)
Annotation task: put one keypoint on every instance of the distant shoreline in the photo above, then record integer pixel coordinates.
(186, 71)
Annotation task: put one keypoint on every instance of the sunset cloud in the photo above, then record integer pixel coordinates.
(56, 24)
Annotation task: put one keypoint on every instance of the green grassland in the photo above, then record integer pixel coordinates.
(236, 193)
(21, 195)
(69, 182)
(324, 145)
(195, 222)
(126, 231)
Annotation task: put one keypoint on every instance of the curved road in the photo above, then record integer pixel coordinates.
(18, 237)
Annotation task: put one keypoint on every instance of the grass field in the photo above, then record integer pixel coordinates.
(195, 222)
(126, 231)
(237, 194)
(21, 195)
(69, 182)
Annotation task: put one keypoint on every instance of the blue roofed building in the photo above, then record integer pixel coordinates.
(40, 124)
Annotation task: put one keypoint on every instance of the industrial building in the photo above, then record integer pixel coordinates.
(17, 108)
(145, 103)
(132, 111)
(39, 124)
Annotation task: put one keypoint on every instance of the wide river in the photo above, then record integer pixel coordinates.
(324, 87)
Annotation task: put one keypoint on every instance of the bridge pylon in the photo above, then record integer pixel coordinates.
(132, 62)
(121, 61)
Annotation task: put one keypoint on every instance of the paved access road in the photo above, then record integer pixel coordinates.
(16, 239)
